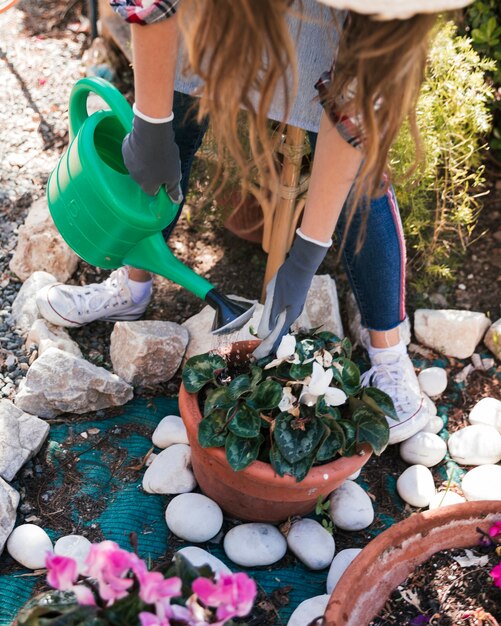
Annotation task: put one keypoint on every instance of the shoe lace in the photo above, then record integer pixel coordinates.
(391, 377)
(103, 295)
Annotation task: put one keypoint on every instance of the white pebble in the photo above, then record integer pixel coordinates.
(475, 445)
(339, 565)
(434, 425)
(429, 405)
(28, 544)
(170, 429)
(415, 486)
(433, 381)
(350, 507)
(355, 475)
(311, 543)
(487, 411)
(254, 545)
(198, 557)
(444, 498)
(75, 546)
(423, 449)
(482, 483)
(170, 471)
(194, 517)
(308, 610)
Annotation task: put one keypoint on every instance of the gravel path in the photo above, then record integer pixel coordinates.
(36, 75)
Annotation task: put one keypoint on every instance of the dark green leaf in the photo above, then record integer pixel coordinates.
(350, 433)
(219, 398)
(328, 337)
(346, 347)
(211, 430)
(240, 385)
(282, 467)
(299, 371)
(380, 402)
(256, 374)
(323, 409)
(347, 374)
(201, 369)
(242, 452)
(372, 428)
(188, 573)
(331, 446)
(297, 438)
(267, 395)
(246, 422)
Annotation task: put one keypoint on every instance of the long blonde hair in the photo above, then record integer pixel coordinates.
(240, 47)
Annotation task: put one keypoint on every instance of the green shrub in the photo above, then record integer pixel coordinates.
(440, 201)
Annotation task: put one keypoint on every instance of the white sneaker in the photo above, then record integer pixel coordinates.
(73, 306)
(393, 373)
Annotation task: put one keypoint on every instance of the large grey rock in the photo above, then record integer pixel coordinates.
(322, 307)
(45, 336)
(451, 332)
(492, 339)
(9, 499)
(24, 308)
(21, 437)
(59, 382)
(147, 352)
(41, 247)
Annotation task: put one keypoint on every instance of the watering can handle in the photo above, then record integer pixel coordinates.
(104, 89)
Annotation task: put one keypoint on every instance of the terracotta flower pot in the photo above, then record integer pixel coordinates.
(257, 493)
(390, 558)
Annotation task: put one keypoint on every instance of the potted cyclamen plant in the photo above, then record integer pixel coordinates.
(117, 589)
(269, 437)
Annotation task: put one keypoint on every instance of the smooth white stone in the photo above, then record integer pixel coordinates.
(311, 543)
(430, 405)
(475, 445)
(351, 507)
(194, 517)
(482, 483)
(434, 425)
(28, 545)
(170, 429)
(354, 476)
(309, 610)
(433, 381)
(423, 449)
(170, 471)
(198, 557)
(339, 565)
(254, 545)
(415, 486)
(444, 498)
(75, 546)
(487, 411)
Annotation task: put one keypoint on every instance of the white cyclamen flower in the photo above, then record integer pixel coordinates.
(288, 399)
(334, 396)
(285, 352)
(318, 385)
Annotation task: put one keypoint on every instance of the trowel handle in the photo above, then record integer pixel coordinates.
(106, 91)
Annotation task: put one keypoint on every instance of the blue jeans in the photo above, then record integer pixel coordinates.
(376, 273)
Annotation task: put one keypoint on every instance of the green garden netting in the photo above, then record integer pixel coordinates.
(124, 507)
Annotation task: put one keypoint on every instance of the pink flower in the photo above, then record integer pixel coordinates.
(84, 595)
(495, 529)
(232, 594)
(62, 571)
(154, 587)
(109, 565)
(496, 574)
(150, 619)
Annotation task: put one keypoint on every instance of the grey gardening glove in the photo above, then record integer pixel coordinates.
(286, 292)
(152, 157)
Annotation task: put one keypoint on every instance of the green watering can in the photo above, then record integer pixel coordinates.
(106, 218)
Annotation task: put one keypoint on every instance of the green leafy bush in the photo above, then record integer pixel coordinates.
(440, 201)
(304, 407)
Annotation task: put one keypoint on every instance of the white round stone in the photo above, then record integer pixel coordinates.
(475, 445)
(482, 483)
(415, 486)
(444, 498)
(198, 557)
(254, 545)
(487, 411)
(434, 425)
(339, 565)
(433, 381)
(355, 475)
(308, 610)
(75, 546)
(28, 544)
(194, 517)
(170, 471)
(423, 449)
(170, 430)
(350, 507)
(430, 405)
(311, 543)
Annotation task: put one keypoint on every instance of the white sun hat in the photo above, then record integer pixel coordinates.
(396, 9)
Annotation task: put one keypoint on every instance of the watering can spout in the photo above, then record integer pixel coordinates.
(231, 315)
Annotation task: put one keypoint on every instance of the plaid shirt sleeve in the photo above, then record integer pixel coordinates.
(144, 11)
(350, 128)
